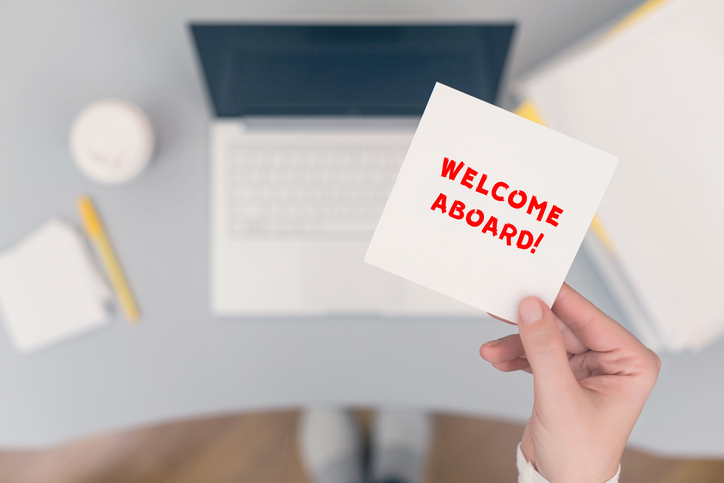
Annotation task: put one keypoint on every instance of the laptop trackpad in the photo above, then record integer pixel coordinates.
(336, 277)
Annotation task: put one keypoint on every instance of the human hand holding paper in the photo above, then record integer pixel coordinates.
(490, 209)
(589, 389)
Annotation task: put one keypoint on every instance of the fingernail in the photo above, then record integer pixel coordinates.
(493, 343)
(530, 311)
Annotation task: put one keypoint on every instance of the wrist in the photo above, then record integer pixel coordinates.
(580, 475)
(582, 470)
(579, 472)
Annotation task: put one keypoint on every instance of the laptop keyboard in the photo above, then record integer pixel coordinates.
(309, 191)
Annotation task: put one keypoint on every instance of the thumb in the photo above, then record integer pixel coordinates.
(544, 348)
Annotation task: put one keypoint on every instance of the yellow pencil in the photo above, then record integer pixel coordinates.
(94, 230)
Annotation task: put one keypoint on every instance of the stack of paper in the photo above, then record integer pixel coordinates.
(652, 95)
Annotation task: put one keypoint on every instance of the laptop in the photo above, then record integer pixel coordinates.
(311, 124)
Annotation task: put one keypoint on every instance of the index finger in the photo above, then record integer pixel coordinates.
(597, 331)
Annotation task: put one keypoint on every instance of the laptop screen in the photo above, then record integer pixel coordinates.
(337, 70)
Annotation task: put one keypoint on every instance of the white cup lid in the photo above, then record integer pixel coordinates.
(111, 141)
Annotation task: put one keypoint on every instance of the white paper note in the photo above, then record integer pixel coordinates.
(488, 207)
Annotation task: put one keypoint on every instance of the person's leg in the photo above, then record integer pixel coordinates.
(400, 445)
(330, 446)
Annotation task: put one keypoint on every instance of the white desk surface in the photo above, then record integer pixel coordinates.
(180, 362)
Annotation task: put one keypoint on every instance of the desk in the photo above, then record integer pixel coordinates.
(180, 362)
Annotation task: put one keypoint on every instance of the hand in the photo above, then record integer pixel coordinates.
(591, 378)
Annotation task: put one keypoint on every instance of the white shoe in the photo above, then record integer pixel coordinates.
(330, 446)
(401, 441)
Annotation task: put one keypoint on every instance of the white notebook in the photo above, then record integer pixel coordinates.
(652, 95)
(50, 288)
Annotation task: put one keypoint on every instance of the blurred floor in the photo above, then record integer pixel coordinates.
(261, 448)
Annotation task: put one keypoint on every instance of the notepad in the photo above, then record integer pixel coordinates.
(488, 207)
(50, 289)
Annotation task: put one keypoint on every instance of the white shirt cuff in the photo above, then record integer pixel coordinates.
(528, 474)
